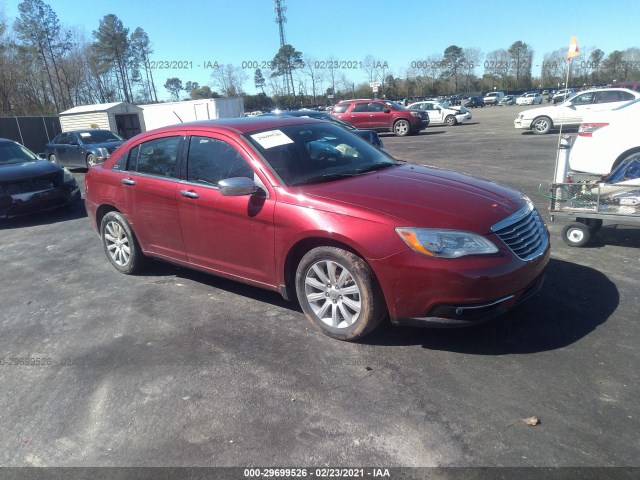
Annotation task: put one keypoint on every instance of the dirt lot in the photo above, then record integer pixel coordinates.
(178, 368)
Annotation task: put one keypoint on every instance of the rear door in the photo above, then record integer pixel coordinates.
(150, 180)
(359, 116)
(233, 235)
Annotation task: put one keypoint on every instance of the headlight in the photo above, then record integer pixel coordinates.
(445, 243)
(67, 176)
(416, 114)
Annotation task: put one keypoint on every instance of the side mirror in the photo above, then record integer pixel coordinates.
(568, 104)
(386, 110)
(237, 186)
(42, 156)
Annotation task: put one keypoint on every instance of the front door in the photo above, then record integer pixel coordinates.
(228, 234)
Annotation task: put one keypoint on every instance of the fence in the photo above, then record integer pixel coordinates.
(32, 132)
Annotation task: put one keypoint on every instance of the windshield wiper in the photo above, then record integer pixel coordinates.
(325, 178)
(376, 166)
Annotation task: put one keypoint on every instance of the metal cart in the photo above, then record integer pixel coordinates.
(591, 203)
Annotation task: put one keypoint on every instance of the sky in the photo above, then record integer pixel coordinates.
(244, 33)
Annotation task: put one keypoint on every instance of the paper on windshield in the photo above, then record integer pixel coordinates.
(272, 138)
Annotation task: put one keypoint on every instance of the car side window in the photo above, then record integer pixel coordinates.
(584, 99)
(375, 107)
(211, 160)
(62, 139)
(156, 157)
(359, 107)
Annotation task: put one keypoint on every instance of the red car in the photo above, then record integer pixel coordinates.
(308, 209)
(382, 116)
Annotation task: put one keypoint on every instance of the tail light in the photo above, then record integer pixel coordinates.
(587, 129)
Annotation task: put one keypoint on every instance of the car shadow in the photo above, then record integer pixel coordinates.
(71, 212)
(158, 268)
(565, 310)
(562, 313)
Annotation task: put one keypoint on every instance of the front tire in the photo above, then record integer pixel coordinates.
(91, 160)
(541, 125)
(120, 243)
(401, 128)
(339, 293)
(450, 120)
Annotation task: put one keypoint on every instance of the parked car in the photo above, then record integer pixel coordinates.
(507, 100)
(492, 98)
(563, 94)
(570, 113)
(381, 116)
(29, 184)
(442, 113)
(370, 136)
(82, 148)
(529, 99)
(319, 214)
(607, 140)
(473, 102)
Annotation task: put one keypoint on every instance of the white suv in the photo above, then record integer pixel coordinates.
(606, 140)
(570, 113)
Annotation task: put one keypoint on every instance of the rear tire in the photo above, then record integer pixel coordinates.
(339, 293)
(120, 243)
(54, 159)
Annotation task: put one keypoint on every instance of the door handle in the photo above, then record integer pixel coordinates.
(128, 181)
(189, 194)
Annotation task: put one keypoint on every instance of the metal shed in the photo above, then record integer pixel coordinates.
(122, 118)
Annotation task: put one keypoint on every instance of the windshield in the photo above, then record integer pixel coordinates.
(11, 152)
(313, 153)
(99, 136)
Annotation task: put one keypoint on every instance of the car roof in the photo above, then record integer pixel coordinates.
(241, 125)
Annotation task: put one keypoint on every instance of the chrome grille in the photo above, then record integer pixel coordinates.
(524, 233)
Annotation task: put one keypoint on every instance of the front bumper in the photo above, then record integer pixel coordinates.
(523, 123)
(464, 315)
(453, 292)
(18, 204)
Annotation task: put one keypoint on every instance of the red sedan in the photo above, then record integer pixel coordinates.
(306, 208)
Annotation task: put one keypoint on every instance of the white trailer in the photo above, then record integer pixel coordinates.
(158, 115)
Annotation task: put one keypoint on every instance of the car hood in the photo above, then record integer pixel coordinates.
(415, 195)
(22, 171)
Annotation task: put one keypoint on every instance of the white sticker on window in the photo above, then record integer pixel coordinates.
(85, 134)
(272, 138)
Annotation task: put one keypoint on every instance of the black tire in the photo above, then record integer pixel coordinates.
(120, 243)
(91, 160)
(402, 128)
(450, 120)
(576, 234)
(541, 125)
(593, 224)
(346, 307)
(54, 159)
(625, 159)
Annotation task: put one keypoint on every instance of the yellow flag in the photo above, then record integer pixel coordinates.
(573, 48)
